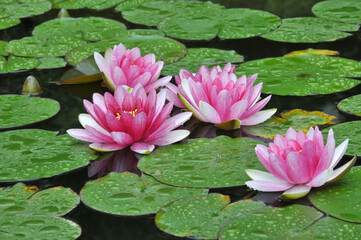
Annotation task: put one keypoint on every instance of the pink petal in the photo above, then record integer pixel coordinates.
(266, 186)
(158, 83)
(83, 135)
(262, 176)
(142, 148)
(297, 168)
(321, 179)
(339, 152)
(209, 113)
(105, 147)
(122, 139)
(171, 137)
(259, 117)
(327, 154)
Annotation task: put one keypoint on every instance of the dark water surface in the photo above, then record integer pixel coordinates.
(97, 225)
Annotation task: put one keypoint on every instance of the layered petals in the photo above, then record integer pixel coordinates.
(219, 97)
(297, 162)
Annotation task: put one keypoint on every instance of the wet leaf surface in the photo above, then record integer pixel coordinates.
(13, 63)
(49, 63)
(24, 9)
(8, 22)
(351, 105)
(339, 10)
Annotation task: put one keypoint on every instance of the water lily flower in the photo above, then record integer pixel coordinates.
(219, 97)
(125, 67)
(297, 162)
(130, 118)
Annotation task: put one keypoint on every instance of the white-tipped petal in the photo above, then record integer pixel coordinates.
(262, 176)
(296, 192)
(341, 171)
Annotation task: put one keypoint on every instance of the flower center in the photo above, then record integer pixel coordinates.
(134, 112)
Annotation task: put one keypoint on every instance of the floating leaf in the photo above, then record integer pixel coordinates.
(217, 162)
(310, 29)
(311, 51)
(25, 9)
(128, 194)
(348, 130)
(8, 22)
(331, 199)
(197, 57)
(49, 63)
(20, 110)
(17, 63)
(96, 77)
(166, 49)
(86, 28)
(129, 4)
(76, 4)
(351, 105)
(339, 10)
(31, 153)
(298, 119)
(200, 216)
(270, 223)
(39, 46)
(27, 213)
(303, 75)
(2, 45)
(202, 20)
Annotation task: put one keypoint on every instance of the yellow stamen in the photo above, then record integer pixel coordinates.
(118, 116)
(131, 112)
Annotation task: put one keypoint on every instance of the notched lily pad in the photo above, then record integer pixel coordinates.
(331, 199)
(298, 119)
(24, 9)
(40, 46)
(217, 162)
(196, 57)
(20, 110)
(32, 153)
(310, 29)
(86, 28)
(14, 63)
(303, 75)
(27, 213)
(200, 216)
(128, 194)
(165, 49)
(351, 105)
(348, 11)
(348, 130)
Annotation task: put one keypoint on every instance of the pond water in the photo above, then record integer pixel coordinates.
(98, 225)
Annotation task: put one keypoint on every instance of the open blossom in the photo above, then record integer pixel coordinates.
(121, 66)
(219, 97)
(129, 118)
(298, 162)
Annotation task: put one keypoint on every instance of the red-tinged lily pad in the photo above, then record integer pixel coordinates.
(298, 119)
(311, 51)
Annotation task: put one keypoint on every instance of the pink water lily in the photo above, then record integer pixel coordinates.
(130, 118)
(219, 97)
(125, 67)
(297, 162)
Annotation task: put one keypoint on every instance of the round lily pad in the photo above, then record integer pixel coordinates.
(269, 223)
(339, 10)
(298, 119)
(351, 105)
(27, 213)
(49, 63)
(129, 4)
(20, 110)
(303, 75)
(217, 162)
(165, 49)
(86, 28)
(31, 153)
(8, 22)
(310, 29)
(14, 63)
(332, 199)
(128, 194)
(348, 130)
(92, 4)
(200, 216)
(24, 9)
(39, 46)
(196, 57)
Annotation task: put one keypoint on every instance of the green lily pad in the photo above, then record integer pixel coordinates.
(13, 63)
(217, 162)
(8, 22)
(339, 10)
(20, 110)
(129, 4)
(27, 213)
(269, 223)
(39, 46)
(24, 9)
(202, 20)
(348, 130)
(49, 63)
(128, 194)
(2, 45)
(86, 28)
(165, 49)
(200, 216)
(298, 119)
(144, 32)
(32, 153)
(197, 57)
(351, 105)
(331, 199)
(310, 29)
(303, 75)
(92, 4)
